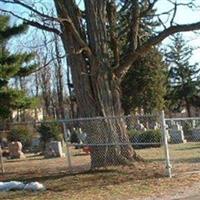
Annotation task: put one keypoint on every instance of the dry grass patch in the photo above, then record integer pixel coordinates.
(124, 182)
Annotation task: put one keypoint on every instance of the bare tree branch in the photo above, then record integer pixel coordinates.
(174, 14)
(127, 62)
(161, 22)
(33, 23)
(68, 23)
(134, 25)
(47, 64)
(31, 9)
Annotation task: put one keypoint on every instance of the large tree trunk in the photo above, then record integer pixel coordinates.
(109, 134)
(96, 87)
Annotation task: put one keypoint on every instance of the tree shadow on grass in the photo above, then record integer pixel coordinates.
(185, 148)
(161, 160)
(20, 195)
(24, 160)
(187, 160)
(58, 182)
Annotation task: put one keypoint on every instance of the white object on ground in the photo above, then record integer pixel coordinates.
(34, 186)
(16, 185)
(12, 185)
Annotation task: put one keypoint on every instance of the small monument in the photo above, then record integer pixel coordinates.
(67, 135)
(139, 126)
(196, 134)
(82, 136)
(156, 126)
(15, 150)
(176, 134)
(53, 149)
(167, 133)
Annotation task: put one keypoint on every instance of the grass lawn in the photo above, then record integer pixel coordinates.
(123, 182)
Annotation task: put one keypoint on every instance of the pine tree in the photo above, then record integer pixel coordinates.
(183, 89)
(144, 85)
(12, 65)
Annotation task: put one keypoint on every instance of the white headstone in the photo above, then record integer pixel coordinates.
(15, 150)
(139, 126)
(54, 149)
(176, 134)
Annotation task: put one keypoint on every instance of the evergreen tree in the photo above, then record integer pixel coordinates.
(183, 88)
(144, 85)
(12, 65)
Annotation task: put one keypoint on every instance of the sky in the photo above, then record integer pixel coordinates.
(184, 15)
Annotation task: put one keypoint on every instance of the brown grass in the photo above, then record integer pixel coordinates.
(123, 182)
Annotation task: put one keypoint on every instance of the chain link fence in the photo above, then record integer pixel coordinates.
(102, 142)
(171, 145)
(184, 144)
(99, 142)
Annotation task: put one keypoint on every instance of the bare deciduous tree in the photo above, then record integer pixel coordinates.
(92, 42)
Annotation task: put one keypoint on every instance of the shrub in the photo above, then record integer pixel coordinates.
(187, 129)
(74, 137)
(49, 132)
(22, 134)
(149, 136)
(134, 135)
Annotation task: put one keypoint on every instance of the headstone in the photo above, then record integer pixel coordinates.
(67, 135)
(193, 123)
(53, 149)
(156, 126)
(35, 145)
(82, 136)
(167, 132)
(139, 126)
(35, 142)
(4, 143)
(15, 150)
(176, 134)
(196, 134)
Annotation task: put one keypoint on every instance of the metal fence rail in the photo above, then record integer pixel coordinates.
(173, 144)
(184, 144)
(89, 139)
(87, 129)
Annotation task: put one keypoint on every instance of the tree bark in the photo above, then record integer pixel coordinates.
(96, 87)
(188, 107)
(59, 80)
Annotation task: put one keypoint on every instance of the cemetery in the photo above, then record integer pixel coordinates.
(62, 183)
(99, 99)
(54, 171)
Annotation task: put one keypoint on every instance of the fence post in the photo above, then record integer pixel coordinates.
(166, 146)
(1, 158)
(67, 146)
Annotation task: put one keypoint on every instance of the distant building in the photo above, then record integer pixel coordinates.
(36, 114)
